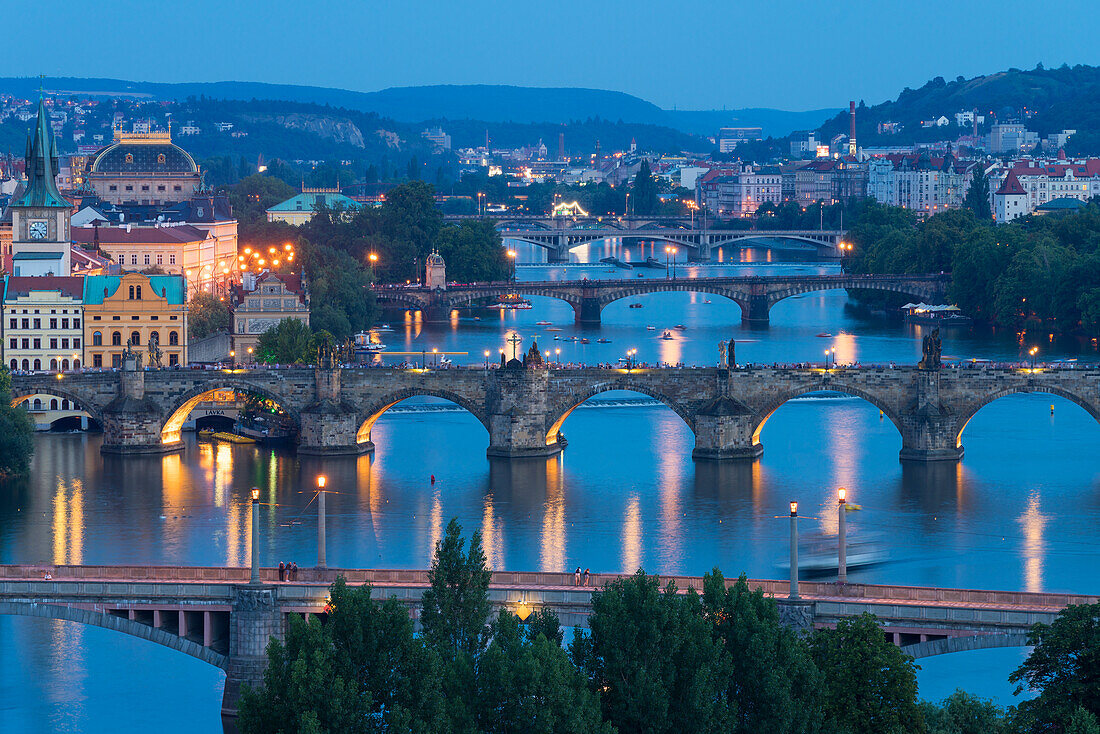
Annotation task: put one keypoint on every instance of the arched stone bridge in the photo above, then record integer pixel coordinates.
(214, 615)
(755, 294)
(143, 411)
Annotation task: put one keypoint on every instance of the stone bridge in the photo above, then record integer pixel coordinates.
(215, 615)
(754, 294)
(522, 410)
(558, 235)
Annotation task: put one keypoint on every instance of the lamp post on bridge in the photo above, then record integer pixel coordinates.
(794, 551)
(842, 527)
(254, 571)
(321, 539)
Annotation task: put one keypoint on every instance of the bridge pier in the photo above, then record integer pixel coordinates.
(255, 620)
(519, 414)
(755, 310)
(724, 431)
(929, 429)
(587, 312)
(329, 427)
(131, 423)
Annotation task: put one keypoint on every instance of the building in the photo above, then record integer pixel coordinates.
(730, 137)
(439, 139)
(1009, 200)
(143, 168)
(134, 309)
(42, 322)
(435, 272)
(301, 208)
(1011, 137)
(261, 302)
(804, 144)
(919, 181)
(741, 191)
(1047, 180)
(40, 215)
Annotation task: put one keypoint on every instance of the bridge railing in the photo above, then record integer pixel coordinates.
(886, 594)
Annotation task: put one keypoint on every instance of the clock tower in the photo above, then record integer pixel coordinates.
(41, 243)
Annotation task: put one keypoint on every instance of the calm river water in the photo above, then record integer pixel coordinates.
(1018, 512)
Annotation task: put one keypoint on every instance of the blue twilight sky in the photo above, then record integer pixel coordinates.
(704, 54)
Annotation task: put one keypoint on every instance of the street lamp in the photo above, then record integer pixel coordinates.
(373, 259)
(1033, 351)
(826, 359)
(486, 359)
(512, 257)
(794, 551)
(668, 251)
(321, 481)
(842, 526)
(250, 355)
(557, 354)
(233, 357)
(254, 573)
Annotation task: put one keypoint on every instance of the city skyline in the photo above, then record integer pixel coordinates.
(738, 57)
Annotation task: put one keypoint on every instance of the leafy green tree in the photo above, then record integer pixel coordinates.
(16, 432)
(473, 252)
(363, 670)
(868, 685)
(773, 679)
(455, 608)
(206, 314)
(287, 342)
(645, 190)
(962, 713)
(1063, 667)
(654, 659)
(977, 196)
(252, 196)
(528, 684)
(1082, 722)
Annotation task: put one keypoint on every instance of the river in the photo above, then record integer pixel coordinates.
(1018, 512)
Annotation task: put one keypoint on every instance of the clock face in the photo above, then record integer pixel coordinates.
(38, 230)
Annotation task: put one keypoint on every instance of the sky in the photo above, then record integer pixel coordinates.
(704, 54)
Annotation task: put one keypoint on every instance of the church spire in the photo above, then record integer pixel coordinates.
(41, 166)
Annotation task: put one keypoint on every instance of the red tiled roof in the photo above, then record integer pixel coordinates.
(69, 286)
(139, 235)
(1010, 186)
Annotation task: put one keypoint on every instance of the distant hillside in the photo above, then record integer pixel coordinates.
(1067, 97)
(476, 102)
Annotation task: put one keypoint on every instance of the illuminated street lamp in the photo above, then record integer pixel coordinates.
(557, 354)
(486, 359)
(794, 551)
(321, 543)
(373, 259)
(1033, 351)
(233, 357)
(842, 527)
(254, 573)
(512, 257)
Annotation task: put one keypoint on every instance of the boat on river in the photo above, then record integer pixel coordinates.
(616, 262)
(667, 335)
(819, 554)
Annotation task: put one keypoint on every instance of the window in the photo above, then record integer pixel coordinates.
(160, 259)
(139, 289)
(37, 401)
(64, 343)
(53, 403)
(135, 338)
(129, 159)
(116, 339)
(116, 360)
(26, 323)
(173, 338)
(97, 360)
(13, 323)
(37, 343)
(147, 258)
(13, 343)
(160, 161)
(131, 293)
(76, 343)
(129, 188)
(144, 188)
(26, 364)
(53, 324)
(53, 364)
(26, 343)
(38, 364)
(76, 323)
(160, 188)
(154, 336)
(14, 364)
(64, 323)
(53, 342)
(177, 188)
(112, 187)
(173, 360)
(76, 366)
(172, 259)
(64, 364)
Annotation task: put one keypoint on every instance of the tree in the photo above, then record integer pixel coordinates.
(962, 713)
(655, 660)
(977, 196)
(16, 432)
(206, 314)
(473, 252)
(645, 191)
(527, 683)
(252, 196)
(1082, 722)
(455, 608)
(363, 670)
(1063, 667)
(287, 342)
(773, 680)
(868, 685)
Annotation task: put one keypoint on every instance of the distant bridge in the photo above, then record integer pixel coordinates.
(754, 294)
(215, 615)
(558, 235)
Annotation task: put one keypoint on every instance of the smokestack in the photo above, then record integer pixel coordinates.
(852, 127)
(561, 146)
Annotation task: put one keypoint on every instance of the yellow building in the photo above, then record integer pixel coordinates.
(134, 309)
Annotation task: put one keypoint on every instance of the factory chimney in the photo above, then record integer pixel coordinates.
(561, 146)
(852, 129)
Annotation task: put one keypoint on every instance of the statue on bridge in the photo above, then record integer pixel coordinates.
(727, 356)
(130, 355)
(930, 350)
(731, 362)
(155, 353)
(533, 358)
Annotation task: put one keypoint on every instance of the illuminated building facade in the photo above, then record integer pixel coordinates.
(131, 308)
(143, 168)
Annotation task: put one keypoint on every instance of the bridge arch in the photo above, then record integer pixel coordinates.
(948, 645)
(376, 409)
(565, 407)
(670, 286)
(118, 624)
(972, 409)
(52, 388)
(851, 390)
(185, 403)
